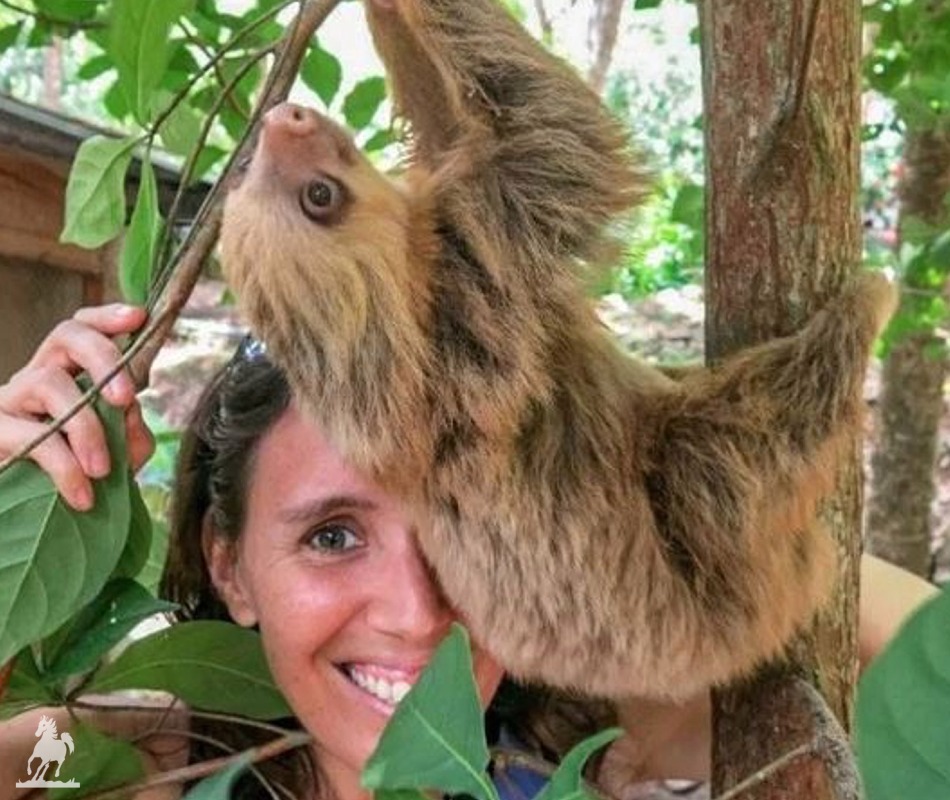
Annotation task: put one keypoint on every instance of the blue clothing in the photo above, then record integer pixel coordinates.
(517, 782)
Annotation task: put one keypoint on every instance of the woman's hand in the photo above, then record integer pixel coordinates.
(45, 388)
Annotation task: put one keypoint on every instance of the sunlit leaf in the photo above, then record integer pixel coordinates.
(97, 762)
(378, 141)
(55, 560)
(219, 785)
(214, 666)
(74, 10)
(363, 101)
(903, 710)
(321, 73)
(436, 737)
(141, 239)
(138, 43)
(181, 130)
(95, 193)
(567, 783)
(94, 67)
(100, 626)
(9, 35)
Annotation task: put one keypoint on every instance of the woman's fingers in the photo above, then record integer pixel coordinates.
(83, 343)
(53, 456)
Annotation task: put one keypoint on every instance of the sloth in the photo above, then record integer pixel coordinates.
(602, 526)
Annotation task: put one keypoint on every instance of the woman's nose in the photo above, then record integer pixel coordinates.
(408, 602)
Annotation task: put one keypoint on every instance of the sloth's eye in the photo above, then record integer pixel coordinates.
(322, 198)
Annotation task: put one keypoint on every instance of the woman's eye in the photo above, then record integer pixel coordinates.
(322, 198)
(334, 539)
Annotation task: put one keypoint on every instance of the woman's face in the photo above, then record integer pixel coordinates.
(349, 614)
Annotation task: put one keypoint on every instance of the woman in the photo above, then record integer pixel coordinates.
(271, 528)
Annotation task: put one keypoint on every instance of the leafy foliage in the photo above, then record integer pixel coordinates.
(55, 560)
(903, 710)
(215, 666)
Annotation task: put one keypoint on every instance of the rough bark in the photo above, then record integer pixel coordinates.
(602, 38)
(899, 513)
(781, 96)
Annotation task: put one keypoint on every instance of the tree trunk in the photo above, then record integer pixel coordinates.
(899, 516)
(781, 87)
(602, 37)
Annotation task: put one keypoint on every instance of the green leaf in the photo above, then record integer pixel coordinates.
(100, 626)
(321, 73)
(55, 560)
(77, 10)
(41, 34)
(567, 783)
(141, 239)
(379, 140)
(97, 762)
(139, 45)
(25, 688)
(436, 737)
(689, 206)
(138, 546)
(9, 35)
(95, 193)
(214, 666)
(209, 156)
(219, 785)
(94, 67)
(182, 129)
(363, 101)
(903, 710)
(642, 5)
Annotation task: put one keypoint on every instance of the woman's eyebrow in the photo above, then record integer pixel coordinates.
(324, 506)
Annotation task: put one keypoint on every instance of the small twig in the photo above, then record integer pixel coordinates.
(504, 758)
(253, 755)
(213, 716)
(767, 772)
(161, 277)
(222, 79)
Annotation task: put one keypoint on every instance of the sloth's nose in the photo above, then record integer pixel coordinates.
(289, 118)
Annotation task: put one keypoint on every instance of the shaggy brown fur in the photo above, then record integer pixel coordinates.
(599, 525)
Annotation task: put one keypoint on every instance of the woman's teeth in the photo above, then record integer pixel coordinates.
(390, 692)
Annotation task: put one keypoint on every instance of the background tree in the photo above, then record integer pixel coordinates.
(910, 64)
(781, 97)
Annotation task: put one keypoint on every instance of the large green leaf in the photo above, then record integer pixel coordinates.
(214, 666)
(138, 43)
(95, 193)
(77, 10)
(138, 546)
(55, 560)
(141, 239)
(436, 737)
(363, 101)
(100, 626)
(903, 711)
(322, 73)
(97, 763)
(567, 783)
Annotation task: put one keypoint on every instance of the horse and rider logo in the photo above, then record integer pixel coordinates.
(51, 747)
